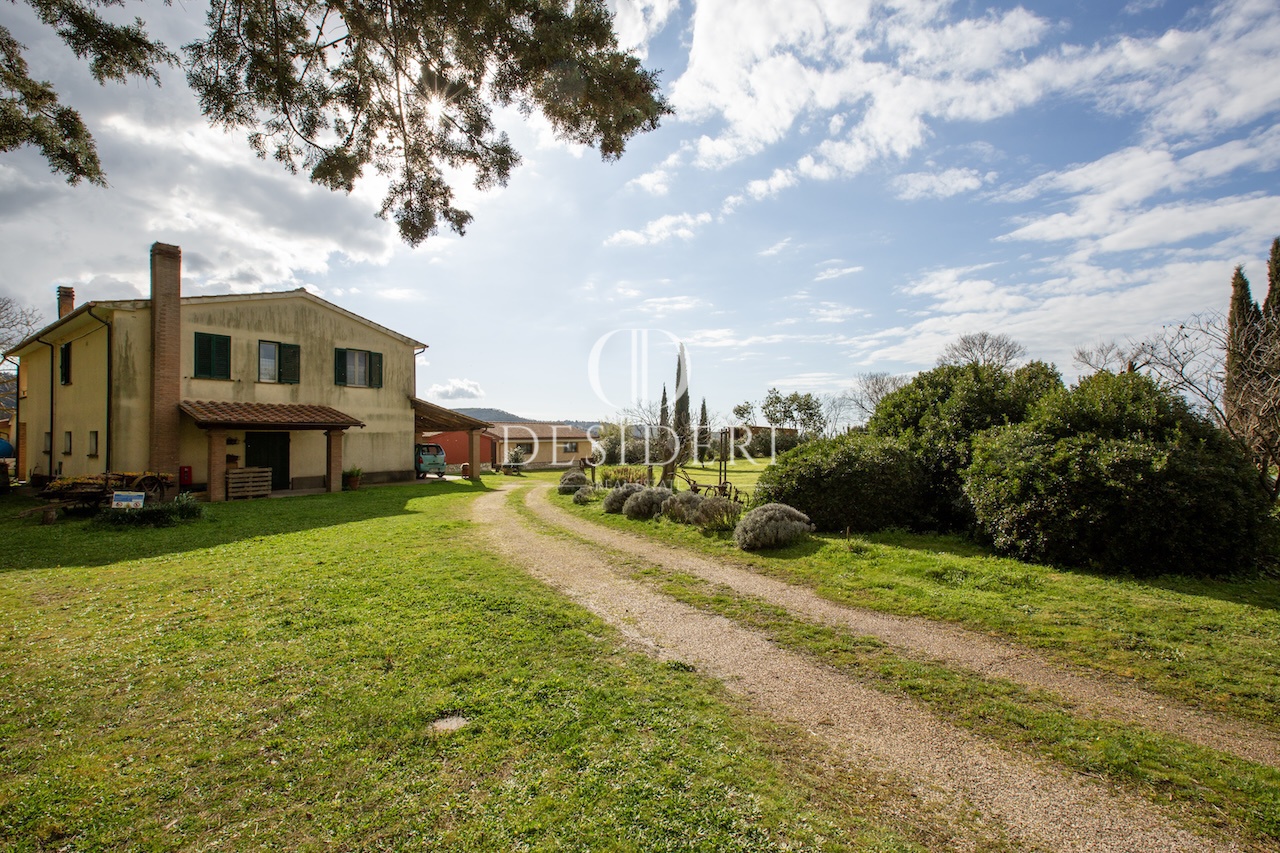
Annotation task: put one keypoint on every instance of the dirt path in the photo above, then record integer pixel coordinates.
(948, 644)
(1038, 806)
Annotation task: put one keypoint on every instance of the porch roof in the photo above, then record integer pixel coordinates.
(291, 416)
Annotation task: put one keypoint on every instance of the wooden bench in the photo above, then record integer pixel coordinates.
(248, 483)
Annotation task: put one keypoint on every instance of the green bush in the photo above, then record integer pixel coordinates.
(571, 481)
(1119, 475)
(718, 514)
(617, 475)
(773, 525)
(614, 501)
(683, 507)
(646, 503)
(854, 482)
(588, 494)
(183, 508)
(939, 412)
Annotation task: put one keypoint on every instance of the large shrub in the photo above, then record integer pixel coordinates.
(588, 494)
(772, 525)
(571, 481)
(1118, 474)
(614, 501)
(939, 412)
(617, 475)
(857, 481)
(646, 503)
(682, 507)
(718, 514)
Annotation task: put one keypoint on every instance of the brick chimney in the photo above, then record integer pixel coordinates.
(166, 356)
(66, 301)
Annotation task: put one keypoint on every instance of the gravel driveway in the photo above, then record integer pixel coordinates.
(1035, 804)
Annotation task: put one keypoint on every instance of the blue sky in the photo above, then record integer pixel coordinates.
(845, 187)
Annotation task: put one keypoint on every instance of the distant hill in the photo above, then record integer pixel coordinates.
(493, 416)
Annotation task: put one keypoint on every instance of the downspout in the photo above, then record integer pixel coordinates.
(51, 429)
(110, 386)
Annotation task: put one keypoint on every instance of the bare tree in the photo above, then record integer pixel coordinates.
(869, 389)
(16, 323)
(983, 348)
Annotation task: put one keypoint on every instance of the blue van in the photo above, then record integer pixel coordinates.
(428, 459)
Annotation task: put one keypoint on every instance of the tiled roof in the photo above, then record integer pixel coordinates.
(428, 417)
(541, 431)
(207, 413)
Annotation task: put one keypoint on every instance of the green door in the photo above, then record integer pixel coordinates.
(269, 450)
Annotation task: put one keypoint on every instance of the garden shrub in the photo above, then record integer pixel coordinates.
(855, 482)
(1120, 475)
(718, 514)
(183, 508)
(646, 503)
(683, 507)
(571, 481)
(939, 412)
(772, 525)
(588, 494)
(613, 502)
(617, 475)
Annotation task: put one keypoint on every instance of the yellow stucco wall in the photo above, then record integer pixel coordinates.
(383, 448)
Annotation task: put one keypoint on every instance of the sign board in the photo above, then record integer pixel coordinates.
(127, 500)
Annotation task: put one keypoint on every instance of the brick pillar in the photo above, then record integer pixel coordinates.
(217, 465)
(66, 301)
(333, 459)
(473, 454)
(166, 358)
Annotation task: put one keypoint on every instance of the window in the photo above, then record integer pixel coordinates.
(93, 442)
(279, 362)
(357, 367)
(571, 447)
(64, 364)
(66, 444)
(48, 442)
(525, 447)
(213, 356)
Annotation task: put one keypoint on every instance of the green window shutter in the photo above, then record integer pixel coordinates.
(64, 364)
(204, 356)
(375, 370)
(290, 363)
(339, 367)
(221, 357)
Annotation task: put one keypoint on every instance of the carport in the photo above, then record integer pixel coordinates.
(428, 417)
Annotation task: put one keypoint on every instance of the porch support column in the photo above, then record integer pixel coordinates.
(473, 454)
(333, 459)
(217, 464)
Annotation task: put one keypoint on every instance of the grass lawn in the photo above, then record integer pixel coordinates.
(989, 593)
(272, 676)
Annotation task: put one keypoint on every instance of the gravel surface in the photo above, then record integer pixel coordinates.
(1039, 806)
(950, 644)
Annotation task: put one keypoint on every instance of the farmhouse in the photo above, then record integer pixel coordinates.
(197, 386)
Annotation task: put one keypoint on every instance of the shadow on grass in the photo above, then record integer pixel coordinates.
(27, 544)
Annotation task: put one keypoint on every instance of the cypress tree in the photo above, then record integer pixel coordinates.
(1271, 307)
(704, 430)
(1244, 321)
(664, 416)
(680, 421)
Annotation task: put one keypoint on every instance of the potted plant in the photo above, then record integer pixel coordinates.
(351, 478)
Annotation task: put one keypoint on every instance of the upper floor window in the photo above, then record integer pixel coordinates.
(213, 356)
(64, 364)
(357, 367)
(279, 362)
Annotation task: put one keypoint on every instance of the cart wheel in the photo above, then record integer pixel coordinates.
(152, 485)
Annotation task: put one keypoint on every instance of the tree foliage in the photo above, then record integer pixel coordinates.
(1119, 474)
(681, 422)
(940, 411)
(337, 88)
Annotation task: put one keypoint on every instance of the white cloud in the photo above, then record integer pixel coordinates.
(456, 389)
(944, 184)
(637, 21)
(661, 306)
(833, 312)
(775, 248)
(656, 182)
(681, 225)
(835, 272)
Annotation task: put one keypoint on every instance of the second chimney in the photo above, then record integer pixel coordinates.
(66, 301)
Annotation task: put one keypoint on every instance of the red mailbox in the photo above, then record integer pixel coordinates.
(184, 475)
